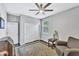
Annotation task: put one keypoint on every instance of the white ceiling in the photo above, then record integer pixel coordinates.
(23, 9)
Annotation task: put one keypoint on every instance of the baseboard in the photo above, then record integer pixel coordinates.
(35, 41)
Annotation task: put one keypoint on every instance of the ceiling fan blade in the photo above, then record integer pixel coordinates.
(37, 13)
(41, 6)
(37, 5)
(47, 5)
(33, 10)
(48, 10)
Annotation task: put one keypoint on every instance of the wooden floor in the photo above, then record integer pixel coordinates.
(36, 49)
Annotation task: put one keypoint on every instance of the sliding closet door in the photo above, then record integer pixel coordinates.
(13, 31)
(31, 32)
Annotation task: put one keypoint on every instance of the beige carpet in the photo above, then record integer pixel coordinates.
(36, 49)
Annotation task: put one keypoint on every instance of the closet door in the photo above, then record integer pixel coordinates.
(13, 31)
(31, 32)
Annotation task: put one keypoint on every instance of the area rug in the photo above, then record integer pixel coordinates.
(36, 49)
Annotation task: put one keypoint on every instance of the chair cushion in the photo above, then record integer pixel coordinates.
(60, 49)
(71, 52)
(73, 42)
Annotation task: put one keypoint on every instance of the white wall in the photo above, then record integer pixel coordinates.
(26, 25)
(12, 21)
(12, 18)
(29, 28)
(3, 15)
(13, 31)
(66, 23)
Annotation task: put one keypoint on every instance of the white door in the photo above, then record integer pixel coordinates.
(13, 31)
(31, 32)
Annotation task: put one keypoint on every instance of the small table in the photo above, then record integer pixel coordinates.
(51, 42)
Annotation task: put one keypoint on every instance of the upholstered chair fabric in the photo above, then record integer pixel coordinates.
(73, 42)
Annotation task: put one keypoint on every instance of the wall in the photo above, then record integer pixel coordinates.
(13, 31)
(29, 28)
(13, 26)
(66, 23)
(12, 18)
(26, 24)
(3, 15)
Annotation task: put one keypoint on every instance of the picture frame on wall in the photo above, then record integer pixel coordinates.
(2, 23)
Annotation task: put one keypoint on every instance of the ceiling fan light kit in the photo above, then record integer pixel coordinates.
(41, 11)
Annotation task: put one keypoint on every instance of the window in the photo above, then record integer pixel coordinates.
(2, 23)
(45, 26)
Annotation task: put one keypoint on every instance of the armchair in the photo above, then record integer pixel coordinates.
(71, 52)
(68, 48)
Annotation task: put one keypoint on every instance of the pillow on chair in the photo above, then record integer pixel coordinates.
(63, 43)
(73, 42)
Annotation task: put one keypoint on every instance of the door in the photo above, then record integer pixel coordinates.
(31, 32)
(13, 31)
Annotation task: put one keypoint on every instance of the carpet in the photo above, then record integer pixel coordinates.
(36, 49)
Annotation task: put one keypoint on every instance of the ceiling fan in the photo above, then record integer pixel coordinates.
(41, 8)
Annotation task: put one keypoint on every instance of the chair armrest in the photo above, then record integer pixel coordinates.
(62, 43)
(71, 51)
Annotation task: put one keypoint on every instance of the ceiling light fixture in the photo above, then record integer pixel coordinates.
(41, 8)
(41, 11)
